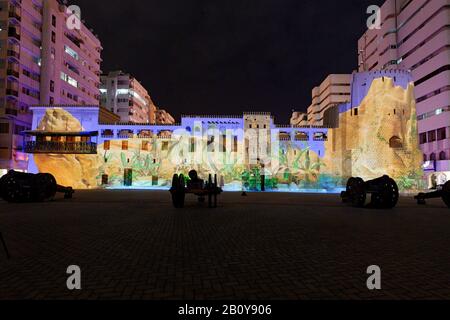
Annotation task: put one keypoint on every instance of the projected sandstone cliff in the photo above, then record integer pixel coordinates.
(375, 138)
(379, 137)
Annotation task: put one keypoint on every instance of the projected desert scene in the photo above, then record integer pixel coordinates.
(376, 138)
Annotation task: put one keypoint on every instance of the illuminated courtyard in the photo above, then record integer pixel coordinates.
(135, 245)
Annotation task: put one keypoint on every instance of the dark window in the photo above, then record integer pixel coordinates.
(423, 138)
(433, 157)
(53, 37)
(52, 86)
(4, 127)
(441, 134)
(356, 112)
(145, 145)
(431, 136)
(442, 156)
(425, 158)
(54, 21)
(52, 101)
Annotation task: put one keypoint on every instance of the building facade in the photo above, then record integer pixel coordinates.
(42, 61)
(163, 117)
(125, 96)
(415, 35)
(375, 137)
(334, 90)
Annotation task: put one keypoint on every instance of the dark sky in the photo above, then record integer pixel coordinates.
(229, 56)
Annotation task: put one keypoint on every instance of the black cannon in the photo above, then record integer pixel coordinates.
(384, 191)
(18, 187)
(194, 186)
(443, 193)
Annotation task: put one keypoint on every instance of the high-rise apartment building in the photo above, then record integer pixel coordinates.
(415, 35)
(124, 95)
(43, 60)
(163, 117)
(333, 91)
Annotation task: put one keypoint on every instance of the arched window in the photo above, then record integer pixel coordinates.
(442, 156)
(395, 143)
(433, 157)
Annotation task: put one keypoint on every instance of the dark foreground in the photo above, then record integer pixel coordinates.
(134, 245)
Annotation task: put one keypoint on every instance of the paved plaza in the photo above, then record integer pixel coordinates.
(135, 245)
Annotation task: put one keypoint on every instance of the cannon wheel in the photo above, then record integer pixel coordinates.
(13, 192)
(446, 193)
(46, 187)
(356, 192)
(388, 197)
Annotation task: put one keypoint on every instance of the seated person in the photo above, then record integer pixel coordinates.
(195, 182)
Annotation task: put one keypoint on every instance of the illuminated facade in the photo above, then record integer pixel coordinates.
(123, 95)
(415, 36)
(42, 61)
(376, 134)
(333, 91)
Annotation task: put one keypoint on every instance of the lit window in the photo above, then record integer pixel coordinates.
(71, 52)
(69, 80)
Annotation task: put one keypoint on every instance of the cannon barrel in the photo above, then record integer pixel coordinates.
(19, 187)
(444, 194)
(384, 192)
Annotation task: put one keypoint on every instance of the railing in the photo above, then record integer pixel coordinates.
(13, 53)
(14, 73)
(13, 34)
(61, 147)
(12, 92)
(15, 14)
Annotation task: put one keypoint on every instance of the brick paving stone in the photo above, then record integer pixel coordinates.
(134, 245)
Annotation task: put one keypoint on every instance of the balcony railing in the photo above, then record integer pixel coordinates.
(60, 147)
(12, 72)
(12, 92)
(13, 34)
(12, 53)
(14, 14)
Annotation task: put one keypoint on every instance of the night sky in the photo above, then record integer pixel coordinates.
(229, 56)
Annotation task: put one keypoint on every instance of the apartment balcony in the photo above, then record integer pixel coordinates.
(12, 112)
(12, 33)
(12, 72)
(15, 14)
(12, 92)
(13, 53)
(60, 147)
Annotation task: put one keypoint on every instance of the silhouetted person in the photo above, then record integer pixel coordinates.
(195, 182)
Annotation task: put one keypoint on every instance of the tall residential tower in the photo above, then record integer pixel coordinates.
(43, 60)
(415, 35)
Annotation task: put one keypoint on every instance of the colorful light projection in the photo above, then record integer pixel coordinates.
(377, 137)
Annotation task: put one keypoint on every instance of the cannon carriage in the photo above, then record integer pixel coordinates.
(384, 193)
(196, 187)
(443, 193)
(18, 187)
